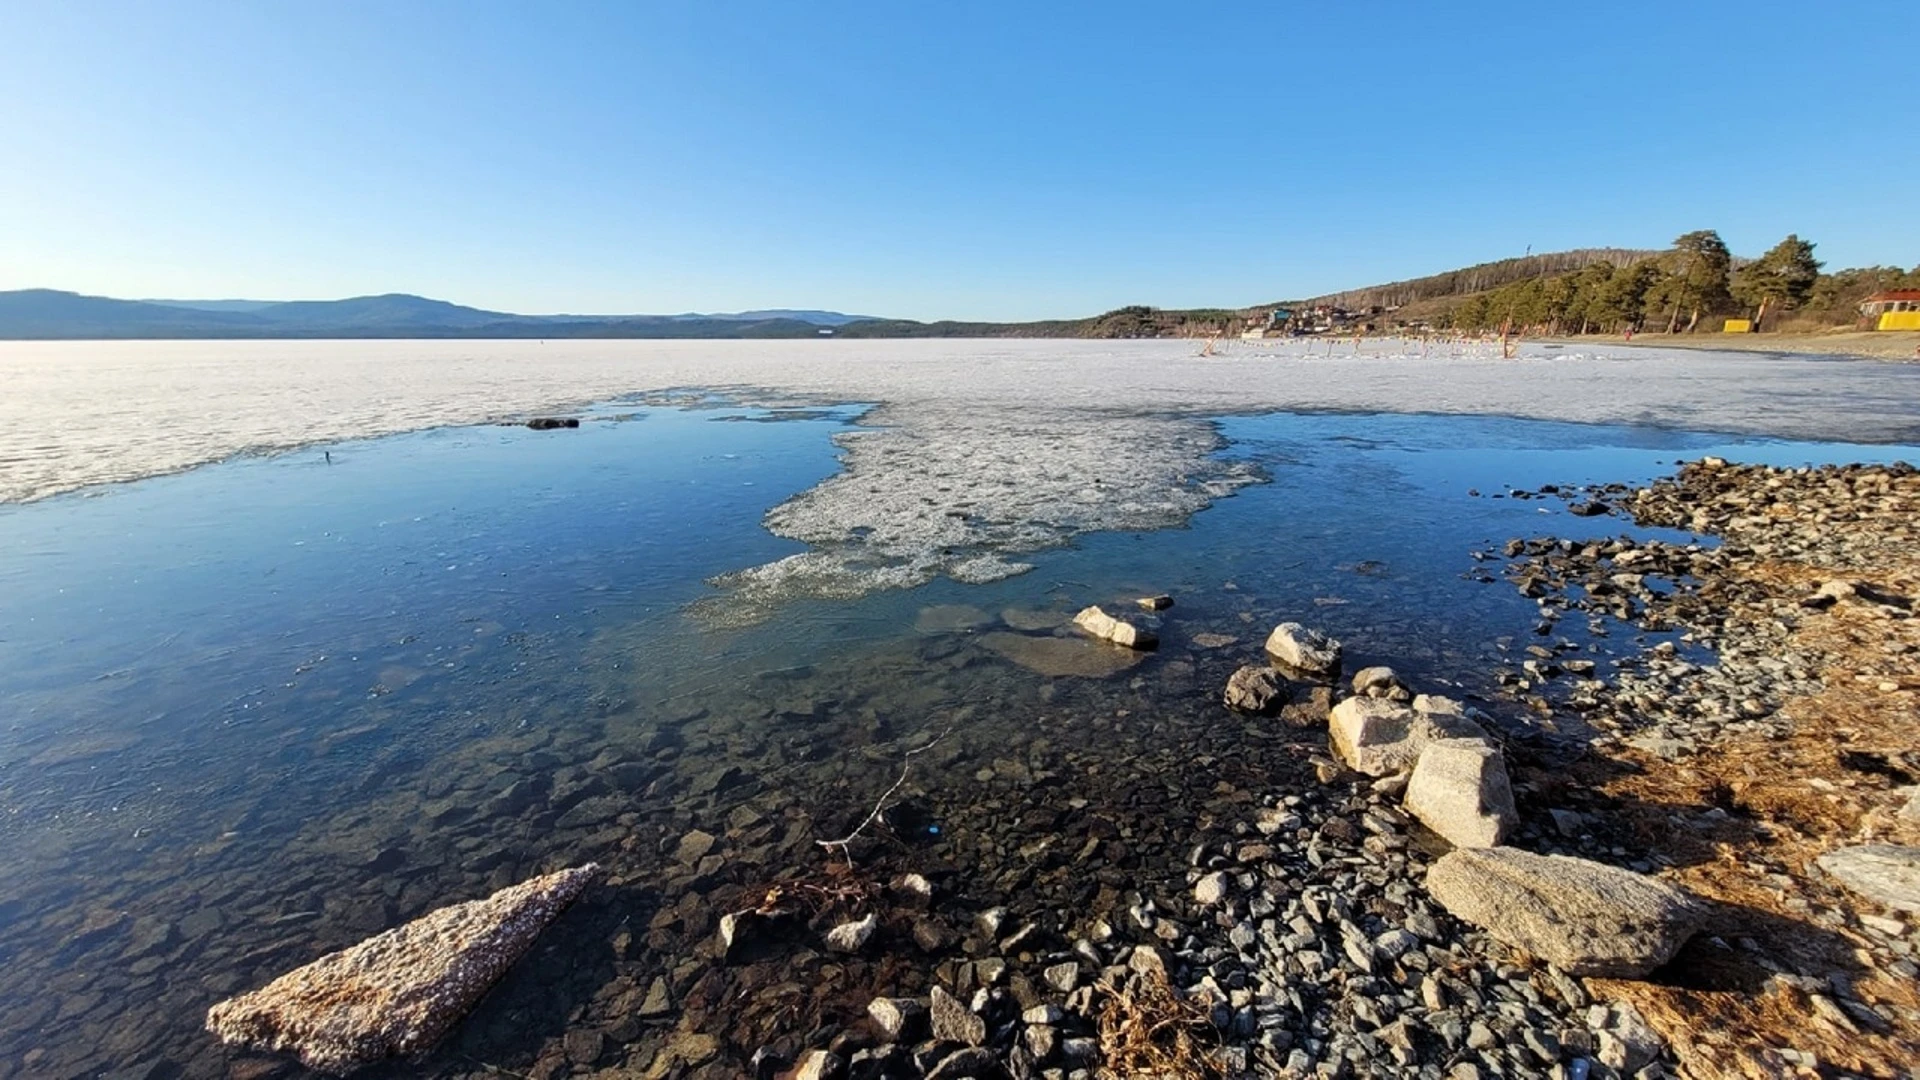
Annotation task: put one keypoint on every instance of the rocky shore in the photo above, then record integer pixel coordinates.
(1677, 847)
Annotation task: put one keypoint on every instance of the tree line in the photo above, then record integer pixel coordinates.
(1692, 284)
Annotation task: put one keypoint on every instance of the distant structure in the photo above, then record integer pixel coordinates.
(1895, 309)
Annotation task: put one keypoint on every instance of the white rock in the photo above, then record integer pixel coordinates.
(1102, 625)
(1308, 651)
(853, 936)
(1211, 889)
(1460, 790)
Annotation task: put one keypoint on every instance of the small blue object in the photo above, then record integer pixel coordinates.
(1579, 1068)
(934, 829)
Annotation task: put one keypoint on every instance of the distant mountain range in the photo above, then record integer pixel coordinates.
(40, 314)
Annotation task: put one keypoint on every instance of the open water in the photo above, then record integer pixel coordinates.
(261, 709)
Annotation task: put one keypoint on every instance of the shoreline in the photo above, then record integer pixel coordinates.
(1862, 344)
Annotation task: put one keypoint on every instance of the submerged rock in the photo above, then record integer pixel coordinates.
(1585, 918)
(1255, 688)
(1055, 657)
(553, 423)
(1309, 652)
(950, 619)
(1102, 625)
(1887, 874)
(397, 992)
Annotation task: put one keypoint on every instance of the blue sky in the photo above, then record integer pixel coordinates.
(981, 160)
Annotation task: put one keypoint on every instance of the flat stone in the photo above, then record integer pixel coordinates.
(953, 1022)
(1057, 657)
(1460, 790)
(1063, 976)
(658, 1002)
(1584, 917)
(1887, 874)
(398, 992)
(694, 846)
(950, 619)
(975, 1061)
(1160, 602)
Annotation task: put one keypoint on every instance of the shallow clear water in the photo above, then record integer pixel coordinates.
(259, 710)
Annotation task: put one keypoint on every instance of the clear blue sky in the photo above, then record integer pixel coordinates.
(976, 160)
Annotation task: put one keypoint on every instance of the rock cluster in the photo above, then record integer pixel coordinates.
(396, 993)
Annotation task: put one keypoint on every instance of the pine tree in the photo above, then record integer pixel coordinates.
(1782, 279)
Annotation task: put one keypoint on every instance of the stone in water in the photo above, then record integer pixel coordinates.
(397, 992)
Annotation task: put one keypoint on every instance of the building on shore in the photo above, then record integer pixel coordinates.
(1895, 309)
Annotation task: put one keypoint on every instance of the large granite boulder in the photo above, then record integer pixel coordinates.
(1307, 652)
(1460, 790)
(1887, 874)
(1373, 735)
(397, 992)
(1583, 917)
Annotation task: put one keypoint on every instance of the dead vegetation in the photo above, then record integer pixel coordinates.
(1147, 1031)
(1785, 964)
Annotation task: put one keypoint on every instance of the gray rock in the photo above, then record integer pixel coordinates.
(953, 1022)
(1063, 976)
(694, 846)
(896, 1017)
(1307, 651)
(1627, 1043)
(1044, 1013)
(1584, 917)
(1372, 735)
(1886, 874)
(1460, 790)
(974, 1061)
(1256, 688)
(1377, 681)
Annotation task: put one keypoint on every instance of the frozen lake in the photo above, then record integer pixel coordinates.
(260, 709)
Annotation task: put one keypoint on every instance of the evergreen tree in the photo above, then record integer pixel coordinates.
(1782, 279)
(1701, 264)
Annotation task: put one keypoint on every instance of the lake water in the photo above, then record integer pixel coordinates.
(258, 710)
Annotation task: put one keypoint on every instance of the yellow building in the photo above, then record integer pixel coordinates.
(1895, 309)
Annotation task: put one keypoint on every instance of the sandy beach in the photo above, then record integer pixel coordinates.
(1877, 345)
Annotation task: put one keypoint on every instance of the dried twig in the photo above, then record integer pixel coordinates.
(906, 766)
